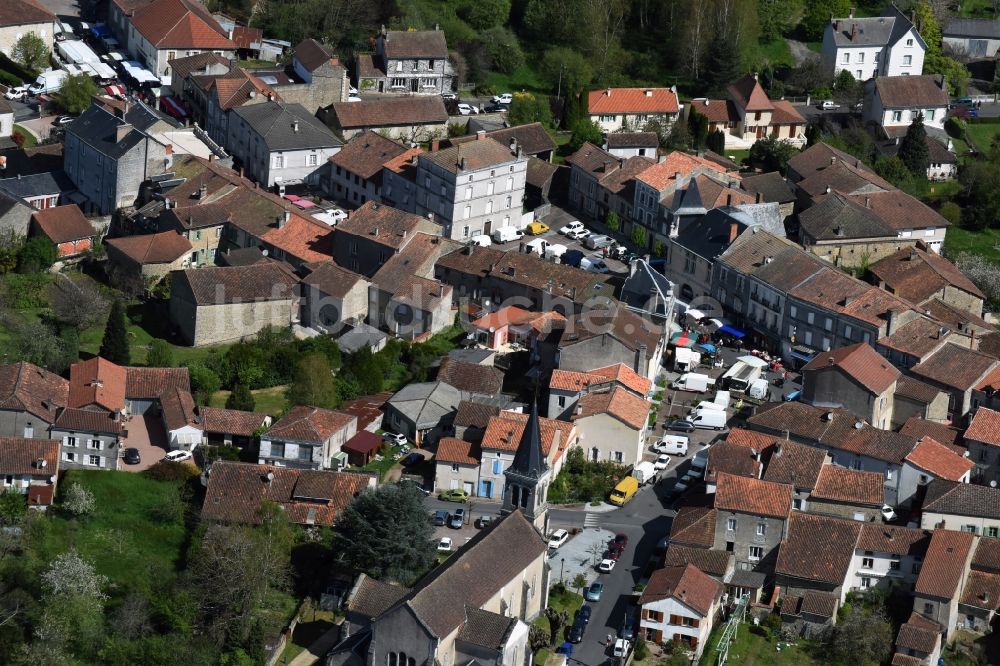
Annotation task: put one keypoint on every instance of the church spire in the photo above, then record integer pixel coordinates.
(529, 461)
(527, 477)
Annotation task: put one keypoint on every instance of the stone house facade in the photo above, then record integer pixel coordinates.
(22, 17)
(752, 520)
(89, 439)
(308, 438)
(408, 62)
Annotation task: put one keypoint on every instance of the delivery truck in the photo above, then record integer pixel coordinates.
(709, 419)
(48, 82)
(738, 377)
(644, 473)
(758, 389)
(624, 491)
(686, 360)
(693, 381)
(722, 399)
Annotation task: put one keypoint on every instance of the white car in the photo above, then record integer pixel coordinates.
(888, 513)
(662, 461)
(503, 98)
(577, 234)
(444, 545)
(16, 92)
(575, 225)
(621, 647)
(337, 215)
(352, 90)
(482, 240)
(828, 105)
(449, 95)
(598, 266)
(353, 98)
(394, 438)
(606, 566)
(555, 251)
(558, 538)
(467, 110)
(178, 456)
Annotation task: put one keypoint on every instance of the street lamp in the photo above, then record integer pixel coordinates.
(562, 561)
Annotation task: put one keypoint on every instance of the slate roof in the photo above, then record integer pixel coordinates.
(475, 574)
(284, 126)
(23, 12)
(917, 275)
(361, 335)
(713, 562)
(391, 112)
(618, 403)
(818, 548)
(29, 388)
(374, 597)
(944, 564)
(632, 140)
(911, 92)
(771, 186)
(962, 499)
(366, 153)
(471, 377)
(236, 491)
(752, 496)
(637, 292)
(955, 367)
(179, 23)
(415, 44)
(426, 403)
(795, 464)
(20, 456)
(309, 424)
(694, 526)
(849, 486)
(971, 27)
(686, 584)
(62, 224)
(98, 128)
(632, 100)
(160, 248)
(871, 31)
(860, 362)
(231, 421)
(532, 138)
(89, 420)
(894, 540)
(984, 427)
(471, 156)
(486, 629)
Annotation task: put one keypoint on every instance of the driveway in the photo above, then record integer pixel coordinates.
(146, 433)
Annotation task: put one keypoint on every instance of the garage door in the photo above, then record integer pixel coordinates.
(467, 486)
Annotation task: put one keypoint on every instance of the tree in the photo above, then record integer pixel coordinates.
(927, 25)
(484, 14)
(641, 649)
(114, 344)
(36, 343)
(312, 383)
(981, 182)
(31, 52)
(698, 128)
(722, 62)
(846, 88)
(204, 382)
(913, 149)
(70, 575)
(76, 93)
(78, 500)
(862, 637)
(37, 254)
(984, 274)
(818, 13)
(527, 108)
(613, 222)
(952, 212)
(716, 142)
(160, 354)
(557, 620)
(503, 48)
(586, 131)
(565, 70)
(241, 398)
(579, 582)
(385, 532)
(771, 154)
(777, 17)
(639, 236)
(77, 302)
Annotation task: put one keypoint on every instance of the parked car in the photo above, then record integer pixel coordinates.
(493, 108)
(482, 240)
(338, 215)
(584, 613)
(888, 513)
(440, 518)
(457, 521)
(444, 545)
(606, 566)
(178, 456)
(572, 226)
(662, 462)
(484, 522)
(593, 592)
(621, 647)
(555, 251)
(503, 98)
(17, 92)
(612, 554)
(467, 109)
(792, 395)
(597, 266)
(558, 538)
(628, 625)
(454, 495)
(566, 648)
(132, 456)
(578, 234)
(63, 120)
(680, 425)
(536, 228)
(576, 631)
(449, 95)
(598, 241)
(412, 459)
(394, 438)
(827, 105)
(621, 539)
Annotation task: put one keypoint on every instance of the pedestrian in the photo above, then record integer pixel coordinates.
(610, 638)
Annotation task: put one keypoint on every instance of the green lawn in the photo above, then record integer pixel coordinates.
(981, 134)
(749, 649)
(29, 139)
(976, 8)
(270, 400)
(385, 464)
(775, 53)
(522, 79)
(562, 601)
(121, 537)
(985, 242)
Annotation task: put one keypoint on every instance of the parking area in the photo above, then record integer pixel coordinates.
(145, 433)
(580, 556)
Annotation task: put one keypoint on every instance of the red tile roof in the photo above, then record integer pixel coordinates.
(731, 459)
(751, 439)
(956, 367)
(753, 496)
(26, 387)
(236, 491)
(944, 564)
(503, 433)
(795, 463)
(917, 274)
(785, 114)
(97, 382)
(937, 459)
(180, 23)
(982, 590)
(161, 248)
(893, 539)
(748, 93)
(625, 376)
(364, 442)
(457, 451)
(309, 424)
(304, 239)
(849, 486)
(151, 382)
(619, 403)
(632, 100)
(662, 174)
(860, 362)
(62, 224)
(231, 421)
(919, 634)
(20, 456)
(23, 12)
(917, 427)
(694, 526)
(818, 548)
(89, 420)
(177, 407)
(985, 427)
(687, 584)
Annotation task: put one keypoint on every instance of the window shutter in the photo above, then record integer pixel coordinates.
(695, 622)
(694, 642)
(675, 619)
(645, 613)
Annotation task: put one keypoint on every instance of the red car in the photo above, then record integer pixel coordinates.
(621, 539)
(613, 554)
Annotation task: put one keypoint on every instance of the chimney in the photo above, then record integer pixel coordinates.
(891, 325)
(287, 215)
(729, 199)
(831, 361)
(854, 31)
(734, 231)
(649, 93)
(513, 144)
(435, 145)
(121, 132)
(833, 159)
(203, 191)
(640, 365)
(461, 163)
(469, 248)
(295, 125)
(913, 16)
(677, 176)
(759, 198)
(868, 202)
(608, 92)
(606, 165)
(480, 135)
(827, 189)
(851, 14)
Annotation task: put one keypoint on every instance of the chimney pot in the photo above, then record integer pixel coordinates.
(480, 135)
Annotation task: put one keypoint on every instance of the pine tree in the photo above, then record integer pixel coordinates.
(241, 398)
(913, 148)
(114, 344)
(722, 63)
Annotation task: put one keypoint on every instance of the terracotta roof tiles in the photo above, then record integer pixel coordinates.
(160, 248)
(917, 275)
(457, 451)
(62, 224)
(818, 548)
(20, 456)
(503, 433)
(962, 499)
(26, 387)
(618, 403)
(860, 362)
(694, 526)
(180, 23)
(753, 496)
(309, 424)
(23, 12)
(97, 382)
(663, 174)
(632, 100)
(849, 486)
(985, 427)
(713, 562)
(231, 421)
(894, 540)
(937, 459)
(471, 377)
(944, 564)
(151, 382)
(687, 584)
(982, 590)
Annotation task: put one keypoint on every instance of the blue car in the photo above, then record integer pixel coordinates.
(594, 592)
(792, 395)
(566, 649)
(628, 625)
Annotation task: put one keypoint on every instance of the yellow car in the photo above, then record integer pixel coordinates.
(536, 228)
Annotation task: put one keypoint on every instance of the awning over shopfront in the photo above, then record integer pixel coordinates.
(683, 339)
(732, 330)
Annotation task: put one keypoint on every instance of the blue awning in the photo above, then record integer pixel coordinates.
(708, 347)
(805, 358)
(99, 30)
(735, 332)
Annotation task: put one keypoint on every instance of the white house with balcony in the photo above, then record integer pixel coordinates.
(886, 555)
(679, 605)
(887, 45)
(893, 102)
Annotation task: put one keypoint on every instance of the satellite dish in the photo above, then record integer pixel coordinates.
(993, 484)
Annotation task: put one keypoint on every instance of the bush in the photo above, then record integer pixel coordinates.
(503, 48)
(955, 127)
(581, 480)
(22, 292)
(167, 470)
(951, 211)
(37, 254)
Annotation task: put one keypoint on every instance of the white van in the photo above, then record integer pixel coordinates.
(537, 246)
(676, 445)
(714, 419)
(705, 406)
(555, 251)
(507, 234)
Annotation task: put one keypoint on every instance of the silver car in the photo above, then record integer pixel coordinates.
(598, 241)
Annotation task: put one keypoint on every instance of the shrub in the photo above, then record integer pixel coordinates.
(955, 127)
(503, 48)
(951, 211)
(167, 470)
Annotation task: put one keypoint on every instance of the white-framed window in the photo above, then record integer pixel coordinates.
(95, 461)
(929, 115)
(867, 562)
(755, 553)
(95, 444)
(731, 524)
(897, 116)
(909, 42)
(860, 57)
(761, 529)
(866, 582)
(847, 58)
(71, 441)
(907, 60)
(468, 212)
(279, 161)
(490, 187)
(468, 193)
(313, 159)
